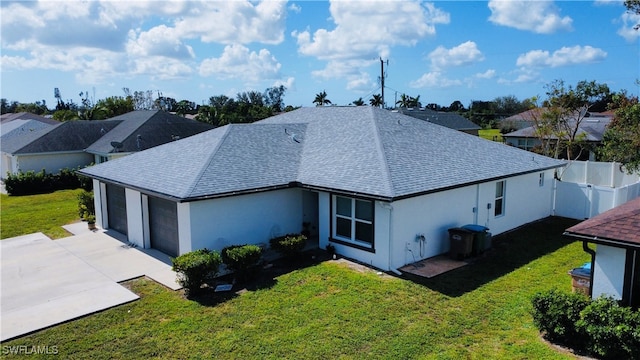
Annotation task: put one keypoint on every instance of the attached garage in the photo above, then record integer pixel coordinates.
(163, 225)
(116, 208)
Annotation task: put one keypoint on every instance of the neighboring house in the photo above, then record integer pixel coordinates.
(451, 120)
(141, 130)
(53, 148)
(79, 143)
(372, 182)
(592, 128)
(615, 265)
(522, 120)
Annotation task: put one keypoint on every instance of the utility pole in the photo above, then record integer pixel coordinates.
(382, 76)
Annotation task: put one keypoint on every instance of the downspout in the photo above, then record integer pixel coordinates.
(390, 208)
(585, 247)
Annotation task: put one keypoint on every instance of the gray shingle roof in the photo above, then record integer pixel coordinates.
(450, 120)
(20, 127)
(154, 128)
(67, 136)
(358, 150)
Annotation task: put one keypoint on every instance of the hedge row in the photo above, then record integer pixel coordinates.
(599, 327)
(31, 182)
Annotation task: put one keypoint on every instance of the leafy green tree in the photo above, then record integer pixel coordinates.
(273, 97)
(321, 99)
(456, 106)
(565, 110)
(358, 102)
(184, 107)
(65, 115)
(622, 138)
(376, 100)
(115, 105)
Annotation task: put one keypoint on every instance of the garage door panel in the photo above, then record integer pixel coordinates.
(163, 225)
(116, 208)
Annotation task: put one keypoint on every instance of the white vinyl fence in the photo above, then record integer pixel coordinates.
(586, 189)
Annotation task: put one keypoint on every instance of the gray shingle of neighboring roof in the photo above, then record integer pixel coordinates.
(155, 127)
(361, 150)
(67, 136)
(9, 117)
(20, 127)
(450, 120)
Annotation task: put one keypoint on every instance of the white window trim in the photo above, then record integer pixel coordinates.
(353, 220)
(502, 197)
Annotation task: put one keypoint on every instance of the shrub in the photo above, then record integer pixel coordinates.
(242, 259)
(555, 314)
(195, 267)
(31, 182)
(288, 245)
(86, 206)
(613, 331)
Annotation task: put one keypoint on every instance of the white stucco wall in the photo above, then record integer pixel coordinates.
(6, 165)
(608, 271)
(433, 214)
(244, 219)
(53, 162)
(99, 202)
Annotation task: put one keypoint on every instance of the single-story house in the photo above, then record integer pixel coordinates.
(141, 130)
(53, 148)
(615, 261)
(592, 128)
(380, 186)
(449, 119)
(74, 144)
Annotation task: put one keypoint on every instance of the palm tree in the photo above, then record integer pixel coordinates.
(321, 99)
(358, 102)
(405, 101)
(376, 100)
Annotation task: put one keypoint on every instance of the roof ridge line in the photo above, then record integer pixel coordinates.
(208, 162)
(381, 152)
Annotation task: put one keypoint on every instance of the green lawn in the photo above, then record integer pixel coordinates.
(490, 134)
(44, 213)
(326, 310)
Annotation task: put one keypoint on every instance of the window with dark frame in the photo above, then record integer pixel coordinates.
(353, 221)
(498, 209)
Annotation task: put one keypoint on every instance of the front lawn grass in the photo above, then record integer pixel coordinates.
(44, 213)
(328, 311)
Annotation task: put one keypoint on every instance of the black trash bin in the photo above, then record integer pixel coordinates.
(481, 238)
(460, 243)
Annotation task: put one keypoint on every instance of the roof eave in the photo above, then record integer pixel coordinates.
(602, 240)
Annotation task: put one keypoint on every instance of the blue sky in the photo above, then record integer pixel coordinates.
(442, 51)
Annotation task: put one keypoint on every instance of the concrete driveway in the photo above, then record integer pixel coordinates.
(47, 282)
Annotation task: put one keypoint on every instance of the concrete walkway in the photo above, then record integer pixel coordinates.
(46, 282)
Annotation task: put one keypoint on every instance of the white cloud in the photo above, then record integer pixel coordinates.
(434, 79)
(295, 8)
(159, 41)
(367, 32)
(541, 17)
(489, 74)
(238, 62)
(289, 83)
(627, 31)
(463, 54)
(563, 57)
(231, 22)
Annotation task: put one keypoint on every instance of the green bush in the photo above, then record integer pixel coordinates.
(288, 245)
(195, 267)
(613, 331)
(555, 313)
(31, 182)
(600, 327)
(86, 206)
(242, 259)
